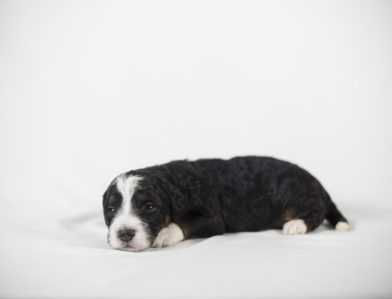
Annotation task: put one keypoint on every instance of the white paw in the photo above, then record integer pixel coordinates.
(294, 227)
(342, 226)
(168, 236)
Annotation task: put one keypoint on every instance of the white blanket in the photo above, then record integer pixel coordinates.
(69, 258)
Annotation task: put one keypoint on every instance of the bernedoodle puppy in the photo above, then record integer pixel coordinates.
(162, 205)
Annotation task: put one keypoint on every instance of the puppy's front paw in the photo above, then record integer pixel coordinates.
(168, 236)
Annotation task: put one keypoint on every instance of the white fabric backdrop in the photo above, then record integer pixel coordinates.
(89, 89)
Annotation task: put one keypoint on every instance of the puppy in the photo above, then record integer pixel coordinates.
(162, 205)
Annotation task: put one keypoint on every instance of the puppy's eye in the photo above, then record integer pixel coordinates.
(149, 207)
(111, 209)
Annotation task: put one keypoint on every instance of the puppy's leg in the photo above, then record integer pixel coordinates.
(301, 223)
(202, 226)
(168, 236)
(295, 227)
(187, 228)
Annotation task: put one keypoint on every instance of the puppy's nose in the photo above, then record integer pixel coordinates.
(126, 235)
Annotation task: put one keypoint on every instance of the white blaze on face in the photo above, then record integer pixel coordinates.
(126, 218)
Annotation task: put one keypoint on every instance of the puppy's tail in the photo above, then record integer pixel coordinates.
(337, 220)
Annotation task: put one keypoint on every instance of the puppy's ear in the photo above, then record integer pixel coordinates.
(105, 198)
(175, 198)
(105, 202)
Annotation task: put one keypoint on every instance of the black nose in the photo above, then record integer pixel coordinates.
(126, 234)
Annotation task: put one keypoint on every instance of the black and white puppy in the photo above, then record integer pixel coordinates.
(161, 205)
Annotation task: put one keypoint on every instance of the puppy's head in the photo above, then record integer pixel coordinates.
(135, 211)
